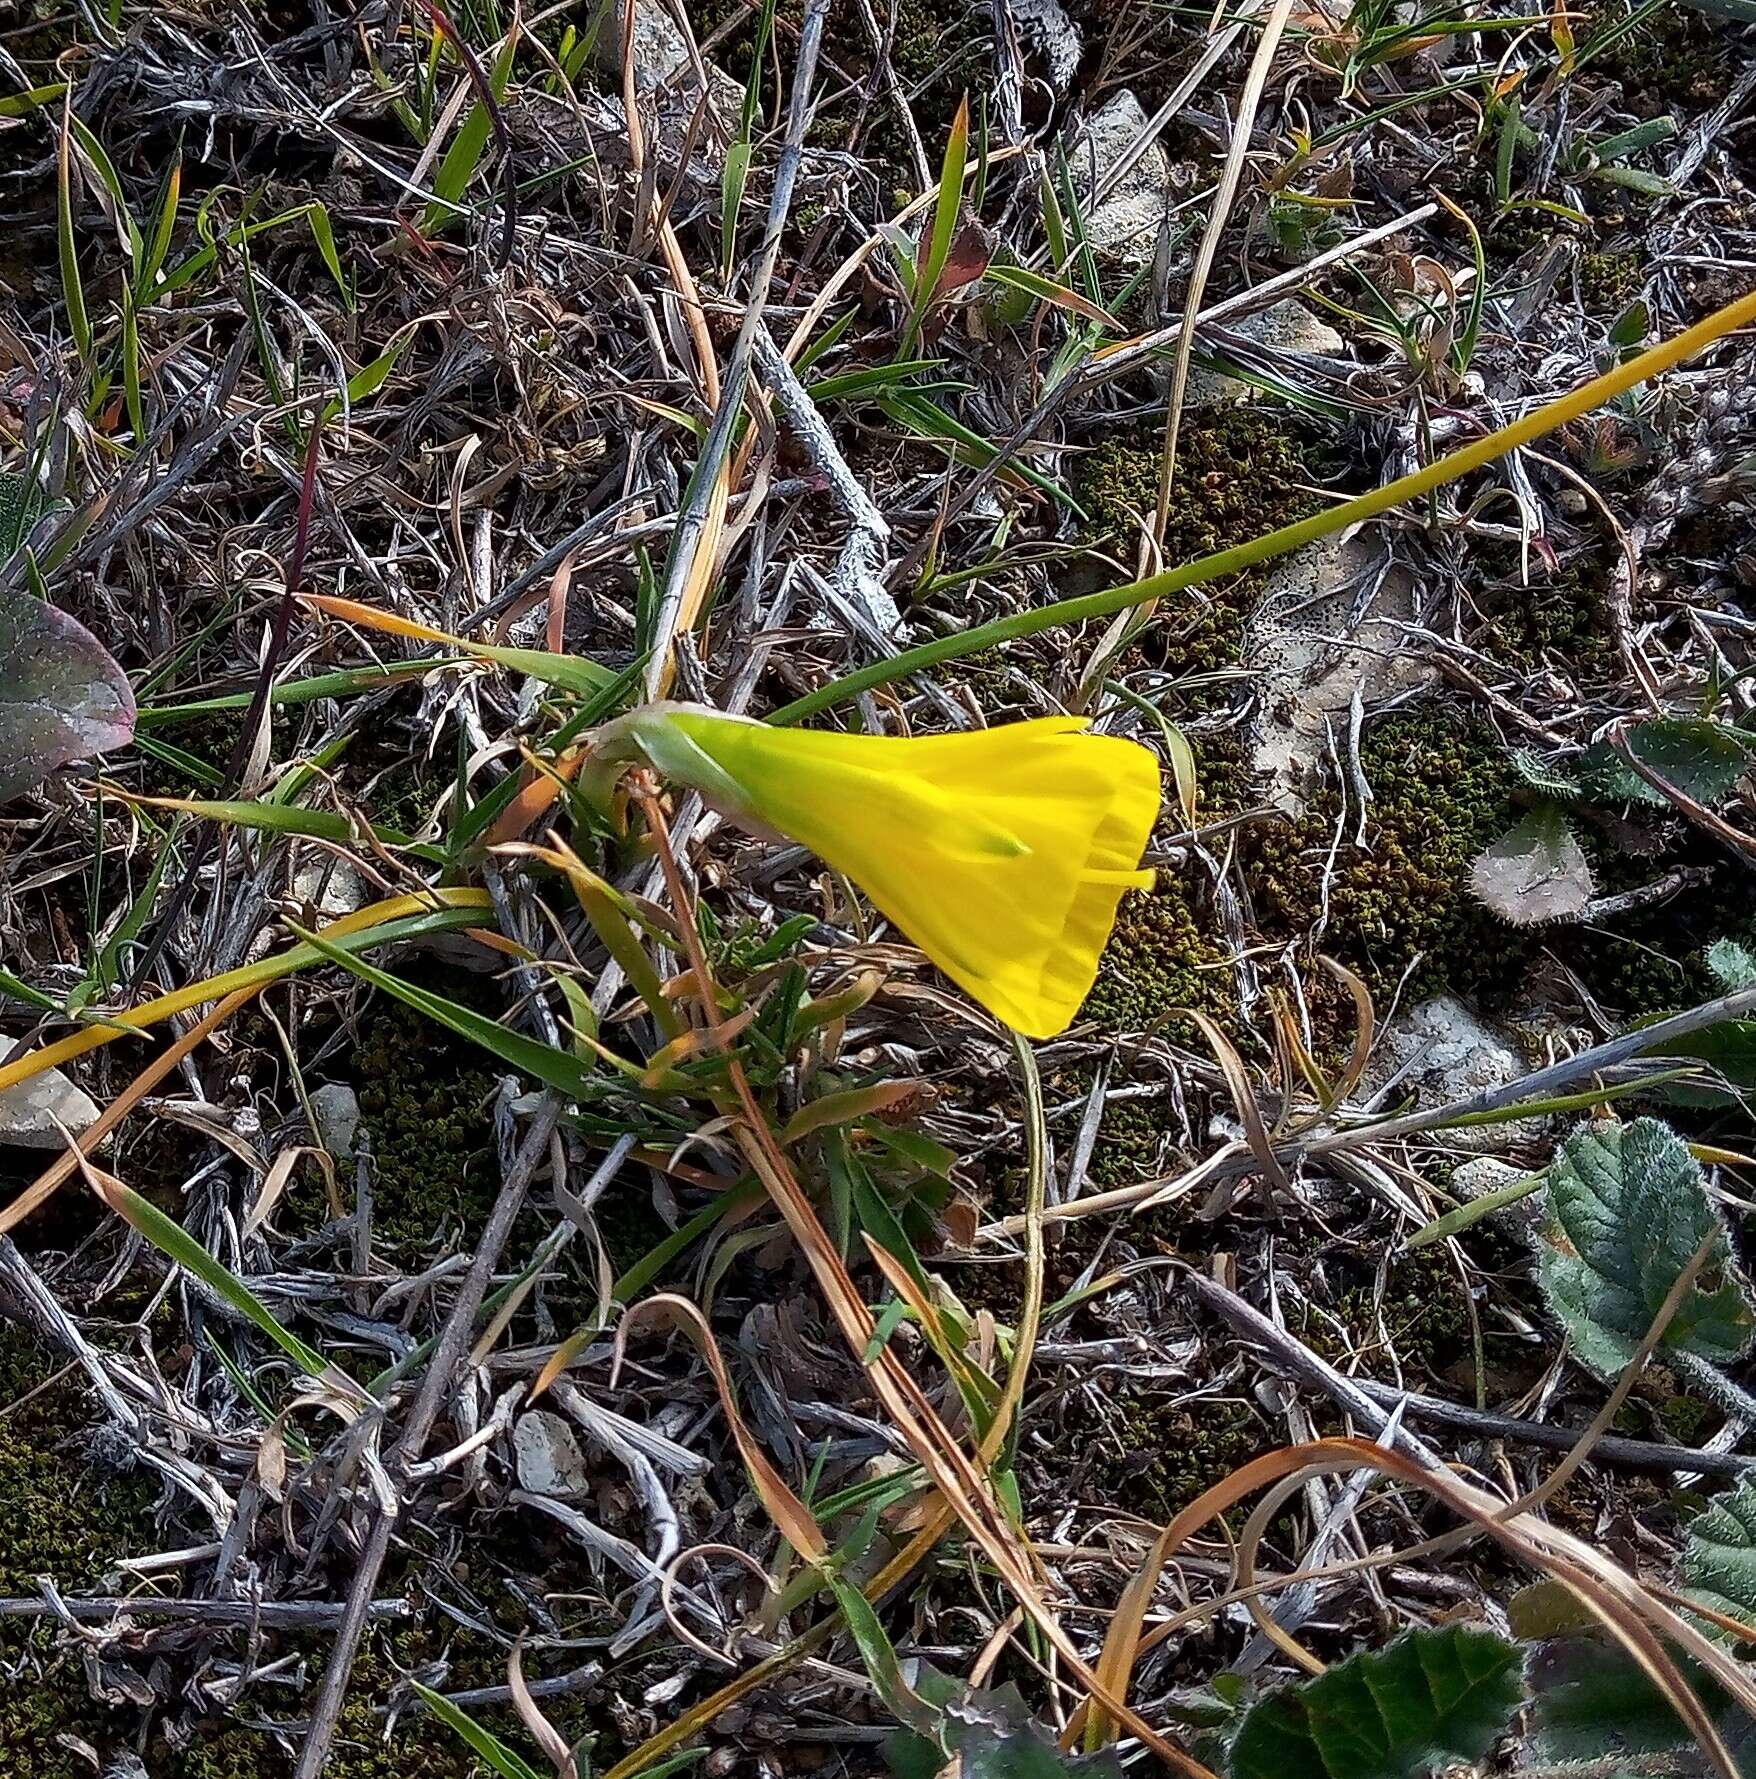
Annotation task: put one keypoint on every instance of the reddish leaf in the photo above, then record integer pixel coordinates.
(62, 697)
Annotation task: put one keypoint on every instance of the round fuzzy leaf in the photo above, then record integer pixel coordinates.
(1592, 1703)
(1702, 759)
(1730, 965)
(1537, 872)
(1627, 1210)
(62, 697)
(1719, 1562)
(1427, 1700)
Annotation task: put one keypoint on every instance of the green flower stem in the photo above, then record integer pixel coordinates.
(1287, 538)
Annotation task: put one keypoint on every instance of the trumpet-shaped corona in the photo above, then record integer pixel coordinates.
(1002, 853)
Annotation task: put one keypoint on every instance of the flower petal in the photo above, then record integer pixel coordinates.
(1002, 853)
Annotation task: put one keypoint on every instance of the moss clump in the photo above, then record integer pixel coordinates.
(1159, 960)
(1555, 617)
(1241, 471)
(61, 1514)
(1442, 788)
(211, 740)
(36, 1712)
(402, 799)
(426, 1104)
(64, 1516)
(1609, 281)
(1674, 59)
(1423, 1311)
(427, 1110)
(1653, 960)
(1154, 1453)
(1225, 780)
(56, 1703)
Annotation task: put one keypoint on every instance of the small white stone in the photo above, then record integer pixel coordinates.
(549, 1462)
(336, 1109)
(1286, 327)
(660, 54)
(1447, 1051)
(330, 885)
(1126, 221)
(29, 1111)
(1046, 27)
(1312, 652)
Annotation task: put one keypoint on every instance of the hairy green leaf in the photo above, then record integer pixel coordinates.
(1535, 872)
(1541, 775)
(991, 1734)
(1591, 1702)
(1427, 1700)
(1731, 966)
(61, 695)
(1627, 1210)
(1719, 1561)
(1701, 758)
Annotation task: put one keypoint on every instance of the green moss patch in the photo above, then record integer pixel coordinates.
(1241, 471)
(61, 1515)
(1152, 1453)
(427, 1105)
(1442, 788)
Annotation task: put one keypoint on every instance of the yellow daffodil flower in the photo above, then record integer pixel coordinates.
(1002, 853)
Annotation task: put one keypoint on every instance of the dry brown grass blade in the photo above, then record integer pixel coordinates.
(706, 368)
(535, 798)
(1253, 1594)
(1365, 1026)
(1122, 1644)
(896, 1275)
(543, 1732)
(1243, 126)
(1237, 1079)
(703, 566)
(952, 1470)
(1636, 1617)
(794, 1519)
(61, 1169)
(1126, 623)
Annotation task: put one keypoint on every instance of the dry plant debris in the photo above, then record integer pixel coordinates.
(504, 1272)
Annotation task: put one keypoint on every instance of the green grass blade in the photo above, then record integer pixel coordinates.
(481, 1740)
(343, 684)
(32, 99)
(72, 287)
(937, 243)
(312, 824)
(542, 1062)
(368, 380)
(323, 233)
(930, 421)
(101, 164)
(468, 146)
(172, 1239)
(1270, 544)
(20, 990)
(163, 226)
